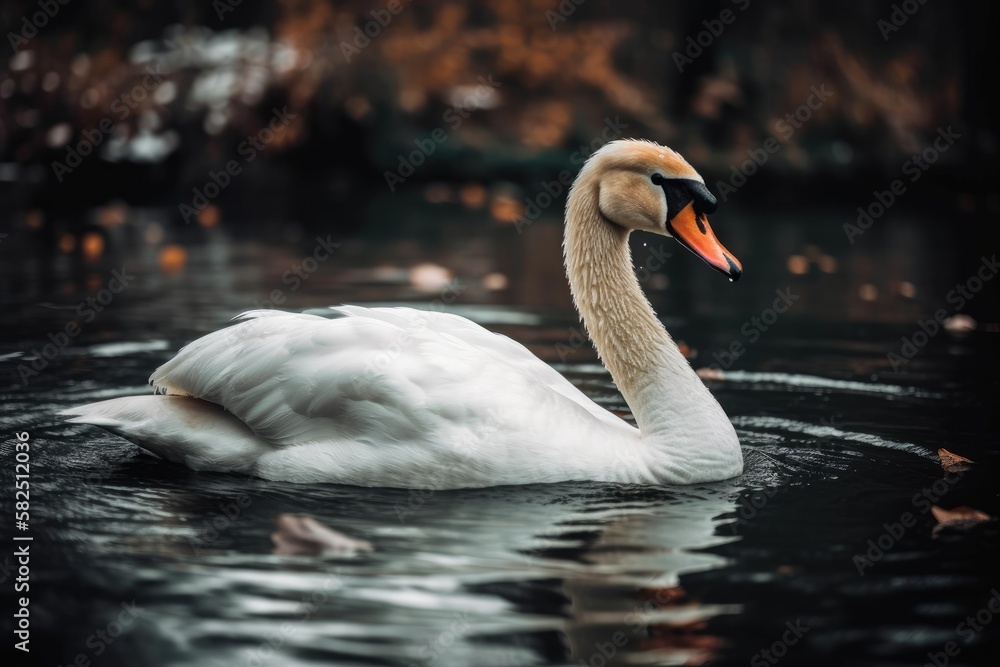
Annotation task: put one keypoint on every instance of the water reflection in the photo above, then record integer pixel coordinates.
(614, 618)
(487, 577)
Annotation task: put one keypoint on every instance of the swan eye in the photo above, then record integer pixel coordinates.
(658, 179)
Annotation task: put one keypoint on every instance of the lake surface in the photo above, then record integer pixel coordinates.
(806, 556)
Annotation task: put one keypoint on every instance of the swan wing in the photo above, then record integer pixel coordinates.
(505, 350)
(372, 376)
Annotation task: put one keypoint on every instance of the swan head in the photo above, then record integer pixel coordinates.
(648, 187)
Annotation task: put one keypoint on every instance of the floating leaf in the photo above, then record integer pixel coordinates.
(302, 535)
(953, 462)
(958, 518)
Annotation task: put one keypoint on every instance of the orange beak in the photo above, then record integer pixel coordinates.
(692, 231)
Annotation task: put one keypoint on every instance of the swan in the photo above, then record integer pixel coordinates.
(399, 397)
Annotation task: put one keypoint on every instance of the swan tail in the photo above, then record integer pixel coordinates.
(186, 430)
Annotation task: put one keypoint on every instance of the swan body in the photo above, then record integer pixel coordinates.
(399, 397)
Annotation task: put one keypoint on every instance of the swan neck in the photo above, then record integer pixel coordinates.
(645, 363)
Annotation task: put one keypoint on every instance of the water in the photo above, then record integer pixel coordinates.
(567, 574)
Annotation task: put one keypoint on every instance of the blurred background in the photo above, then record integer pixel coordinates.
(114, 116)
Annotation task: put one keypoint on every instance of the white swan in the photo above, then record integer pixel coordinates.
(399, 397)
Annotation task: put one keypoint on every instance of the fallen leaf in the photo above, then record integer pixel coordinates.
(953, 462)
(302, 535)
(958, 518)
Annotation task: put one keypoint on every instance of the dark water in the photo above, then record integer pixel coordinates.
(838, 449)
